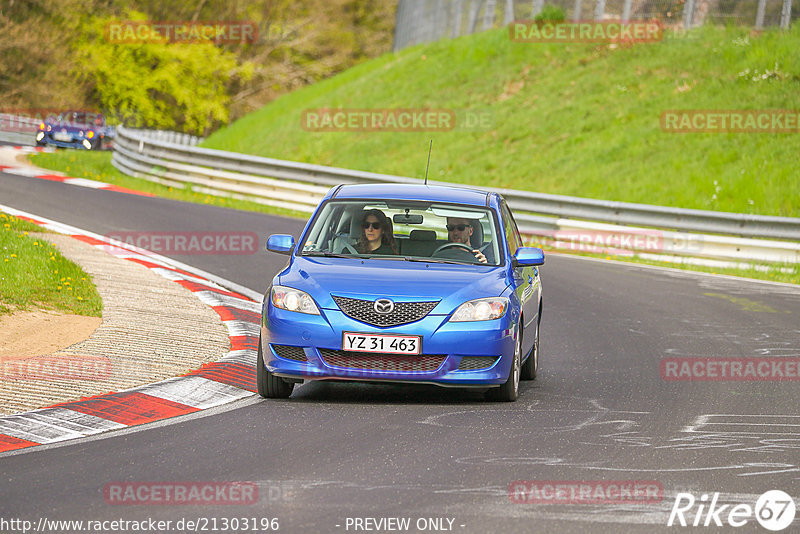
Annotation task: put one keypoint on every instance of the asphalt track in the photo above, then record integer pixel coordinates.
(599, 410)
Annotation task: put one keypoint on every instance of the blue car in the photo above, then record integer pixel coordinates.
(75, 129)
(404, 283)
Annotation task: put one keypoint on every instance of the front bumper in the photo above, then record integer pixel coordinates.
(75, 143)
(444, 346)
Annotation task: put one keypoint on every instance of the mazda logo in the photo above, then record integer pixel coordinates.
(383, 306)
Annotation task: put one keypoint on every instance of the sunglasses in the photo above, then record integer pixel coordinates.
(459, 227)
(375, 225)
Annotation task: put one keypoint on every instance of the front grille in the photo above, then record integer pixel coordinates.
(290, 353)
(471, 363)
(403, 313)
(382, 362)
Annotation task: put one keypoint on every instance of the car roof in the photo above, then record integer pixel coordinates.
(433, 193)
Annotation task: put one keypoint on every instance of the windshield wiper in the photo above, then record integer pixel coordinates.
(410, 258)
(434, 260)
(329, 255)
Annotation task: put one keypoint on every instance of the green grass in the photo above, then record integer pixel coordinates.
(97, 166)
(571, 119)
(34, 274)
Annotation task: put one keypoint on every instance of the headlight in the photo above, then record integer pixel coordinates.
(481, 310)
(290, 299)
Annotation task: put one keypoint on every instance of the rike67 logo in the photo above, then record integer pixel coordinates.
(774, 510)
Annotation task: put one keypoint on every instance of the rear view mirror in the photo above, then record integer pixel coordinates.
(407, 218)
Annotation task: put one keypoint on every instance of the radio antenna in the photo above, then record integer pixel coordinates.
(429, 162)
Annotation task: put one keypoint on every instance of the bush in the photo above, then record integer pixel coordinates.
(152, 85)
(550, 13)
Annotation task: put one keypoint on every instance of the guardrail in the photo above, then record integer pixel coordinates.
(168, 136)
(566, 221)
(18, 129)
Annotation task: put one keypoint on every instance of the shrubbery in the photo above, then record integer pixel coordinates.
(164, 86)
(550, 13)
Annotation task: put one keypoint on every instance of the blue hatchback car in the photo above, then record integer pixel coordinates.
(404, 283)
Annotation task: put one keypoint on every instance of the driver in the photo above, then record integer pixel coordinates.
(459, 231)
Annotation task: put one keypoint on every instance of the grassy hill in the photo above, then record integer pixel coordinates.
(573, 119)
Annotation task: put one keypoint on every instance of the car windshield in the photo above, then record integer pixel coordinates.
(405, 231)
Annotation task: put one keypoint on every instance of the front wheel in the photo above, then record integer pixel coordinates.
(509, 391)
(531, 366)
(269, 385)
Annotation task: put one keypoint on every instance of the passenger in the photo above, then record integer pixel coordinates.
(460, 231)
(377, 234)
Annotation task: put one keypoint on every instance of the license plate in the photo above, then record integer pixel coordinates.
(58, 136)
(381, 343)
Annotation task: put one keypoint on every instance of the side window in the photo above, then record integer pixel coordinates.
(512, 233)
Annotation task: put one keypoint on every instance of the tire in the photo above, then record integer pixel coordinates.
(531, 366)
(269, 385)
(509, 391)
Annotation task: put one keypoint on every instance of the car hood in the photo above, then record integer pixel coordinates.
(72, 127)
(411, 281)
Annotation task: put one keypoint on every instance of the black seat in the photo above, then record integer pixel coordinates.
(422, 235)
(476, 240)
(419, 243)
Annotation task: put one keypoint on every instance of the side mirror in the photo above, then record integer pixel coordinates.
(528, 256)
(282, 244)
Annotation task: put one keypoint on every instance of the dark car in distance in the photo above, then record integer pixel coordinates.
(75, 129)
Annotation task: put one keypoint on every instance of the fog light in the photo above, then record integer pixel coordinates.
(39, 136)
(87, 144)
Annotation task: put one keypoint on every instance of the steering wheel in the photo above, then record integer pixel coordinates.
(460, 247)
(453, 245)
